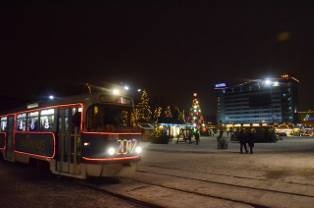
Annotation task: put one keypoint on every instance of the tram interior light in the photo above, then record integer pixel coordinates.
(138, 150)
(111, 151)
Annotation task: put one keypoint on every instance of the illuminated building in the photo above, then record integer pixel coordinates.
(270, 100)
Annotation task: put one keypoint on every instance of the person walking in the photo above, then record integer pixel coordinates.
(251, 139)
(197, 136)
(243, 140)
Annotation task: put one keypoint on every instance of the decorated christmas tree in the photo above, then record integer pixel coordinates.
(156, 114)
(143, 108)
(196, 117)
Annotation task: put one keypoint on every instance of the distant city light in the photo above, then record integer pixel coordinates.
(220, 85)
(51, 97)
(126, 87)
(276, 84)
(267, 82)
(116, 92)
(139, 90)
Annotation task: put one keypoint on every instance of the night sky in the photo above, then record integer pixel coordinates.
(171, 49)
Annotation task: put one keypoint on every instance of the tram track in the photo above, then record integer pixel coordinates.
(142, 203)
(145, 180)
(210, 173)
(228, 184)
(206, 195)
(234, 177)
(128, 199)
(285, 197)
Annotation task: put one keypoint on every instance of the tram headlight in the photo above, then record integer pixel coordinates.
(86, 144)
(138, 150)
(111, 151)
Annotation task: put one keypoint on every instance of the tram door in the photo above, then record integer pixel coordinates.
(68, 141)
(9, 155)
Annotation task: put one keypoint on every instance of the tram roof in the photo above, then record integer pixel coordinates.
(76, 99)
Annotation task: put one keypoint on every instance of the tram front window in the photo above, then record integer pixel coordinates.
(102, 118)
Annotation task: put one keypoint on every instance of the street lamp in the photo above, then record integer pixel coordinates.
(116, 92)
(267, 82)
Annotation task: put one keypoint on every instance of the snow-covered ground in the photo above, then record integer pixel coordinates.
(285, 166)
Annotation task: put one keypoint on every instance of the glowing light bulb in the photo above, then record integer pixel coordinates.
(116, 92)
(111, 151)
(267, 82)
(138, 150)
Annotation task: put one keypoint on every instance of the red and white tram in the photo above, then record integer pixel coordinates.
(82, 136)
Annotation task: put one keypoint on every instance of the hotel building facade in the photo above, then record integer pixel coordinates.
(265, 101)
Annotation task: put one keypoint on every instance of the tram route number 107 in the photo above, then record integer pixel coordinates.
(126, 145)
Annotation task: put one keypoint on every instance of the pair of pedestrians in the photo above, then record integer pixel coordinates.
(246, 137)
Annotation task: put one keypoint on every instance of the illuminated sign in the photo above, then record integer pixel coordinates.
(220, 85)
(33, 105)
(308, 118)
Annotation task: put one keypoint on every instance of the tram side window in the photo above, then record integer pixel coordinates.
(33, 121)
(21, 122)
(47, 119)
(76, 117)
(4, 123)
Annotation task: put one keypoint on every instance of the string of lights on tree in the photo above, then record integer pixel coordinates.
(196, 116)
(143, 109)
